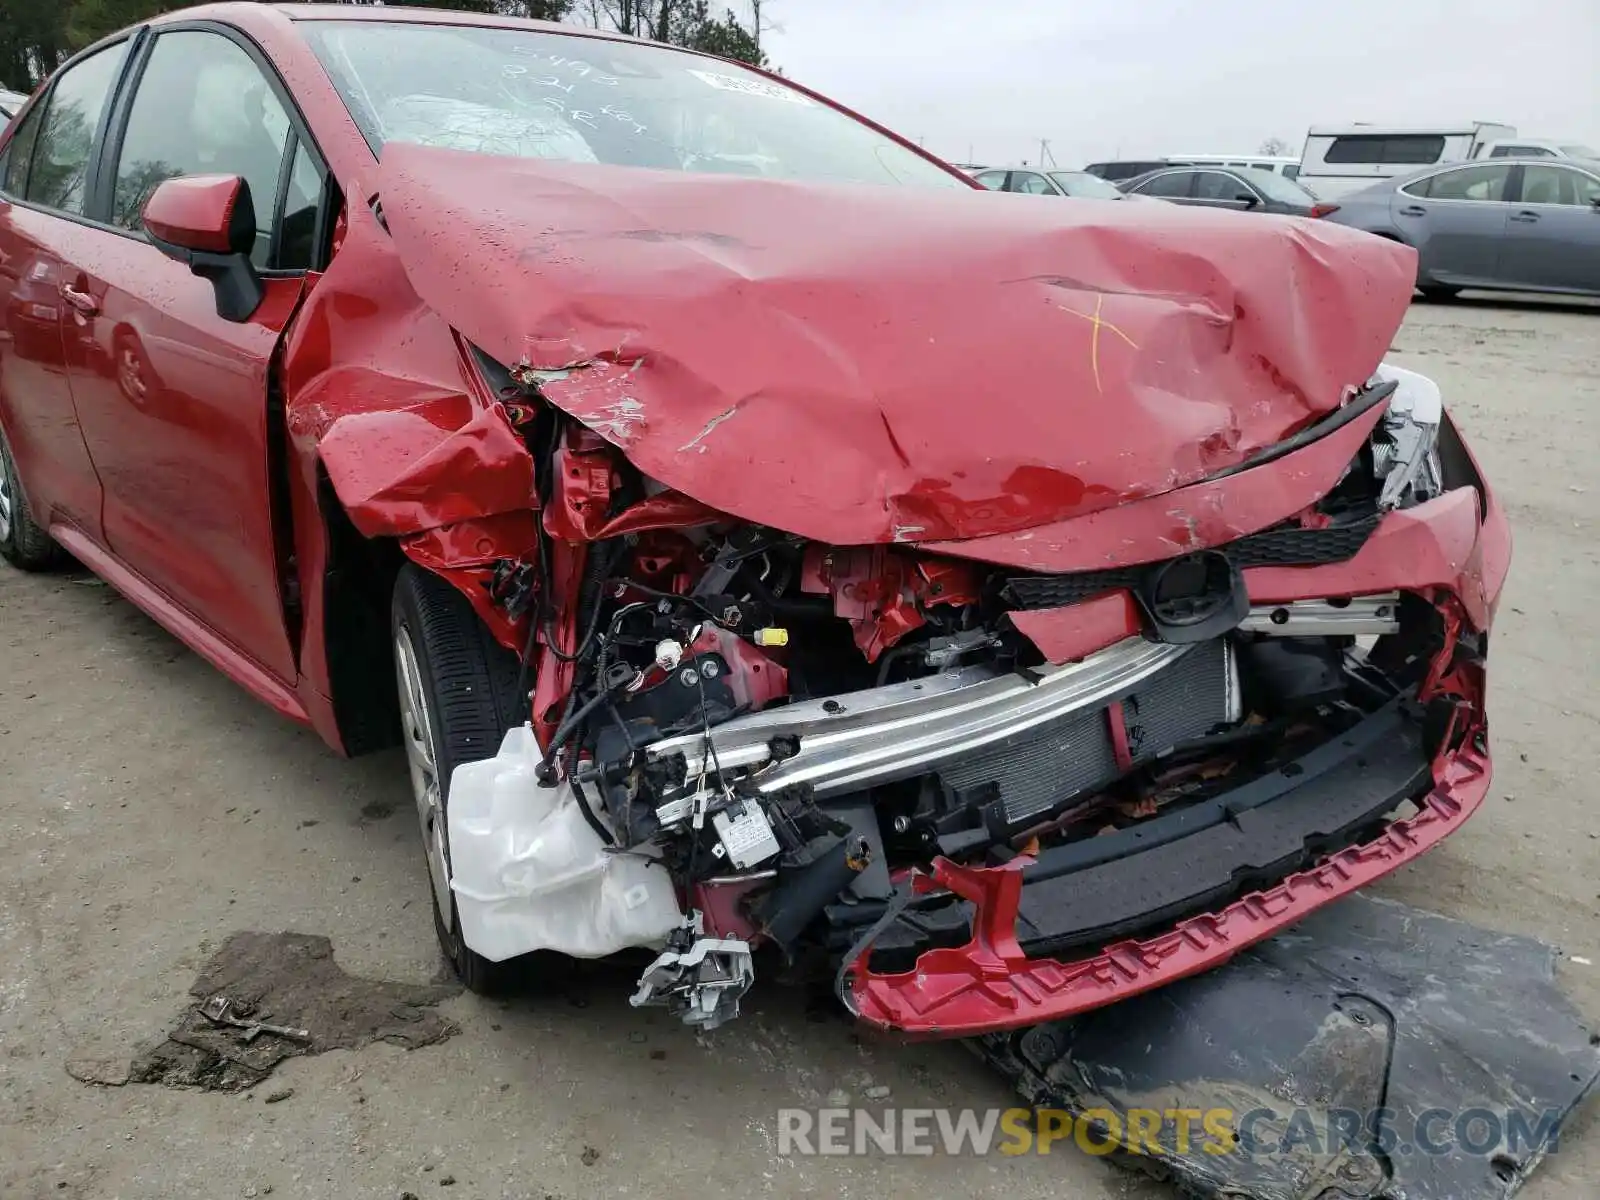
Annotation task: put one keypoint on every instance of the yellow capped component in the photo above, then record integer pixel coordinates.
(771, 636)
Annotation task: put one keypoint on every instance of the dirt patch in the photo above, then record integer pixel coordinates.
(287, 979)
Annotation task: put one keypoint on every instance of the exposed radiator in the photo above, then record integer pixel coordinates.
(1043, 767)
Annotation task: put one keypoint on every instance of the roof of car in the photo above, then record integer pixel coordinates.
(1508, 160)
(245, 12)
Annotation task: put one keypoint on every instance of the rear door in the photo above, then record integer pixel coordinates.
(1457, 222)
(48, 165)
(1553, 232)
(172, 398)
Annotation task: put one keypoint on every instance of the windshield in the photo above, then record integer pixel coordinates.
(1085, 186)
(529, 94)
(1579, 151)
(1275, 187)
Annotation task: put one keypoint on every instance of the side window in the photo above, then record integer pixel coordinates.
(1587, 187)
(1172, 185)
(1031, 183)
(1471, 183)
(1558, 185)
(65, 141)
(203, 108)
(19, 153)
(993, 180)
(1420, 149)
(1291, 171)
(1217, 185)
(1362, 149)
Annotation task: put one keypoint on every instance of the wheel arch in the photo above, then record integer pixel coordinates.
(355, 588)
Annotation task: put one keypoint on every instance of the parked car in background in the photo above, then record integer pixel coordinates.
(1078, 184)
(1535, 148)
(1124, 168)
(1278, 164)
(1242, 188)
(1527, 225)
(10, 103)
(1344, 158)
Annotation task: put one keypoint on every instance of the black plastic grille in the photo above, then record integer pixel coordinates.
(1281, 546)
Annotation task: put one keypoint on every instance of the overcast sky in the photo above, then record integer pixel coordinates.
(1106, 78)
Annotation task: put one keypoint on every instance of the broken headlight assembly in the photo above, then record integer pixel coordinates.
(1405, 446)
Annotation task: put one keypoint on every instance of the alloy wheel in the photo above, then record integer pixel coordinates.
(5, 498)
(416, 724)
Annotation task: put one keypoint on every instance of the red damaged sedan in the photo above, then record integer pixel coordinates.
(762, 542)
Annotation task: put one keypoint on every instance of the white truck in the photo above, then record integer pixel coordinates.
(1344, 158)
(1532, 147)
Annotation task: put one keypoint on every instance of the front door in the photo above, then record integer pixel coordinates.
(172, 398)
(1458, 223)
(1553, 234)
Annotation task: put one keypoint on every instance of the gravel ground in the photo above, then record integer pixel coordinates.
(153, 809)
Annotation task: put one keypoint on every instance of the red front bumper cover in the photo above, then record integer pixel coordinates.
(1442, 550)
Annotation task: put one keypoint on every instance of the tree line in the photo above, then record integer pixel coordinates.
(36, 36)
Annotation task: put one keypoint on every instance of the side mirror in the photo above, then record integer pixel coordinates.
(1248, 199)
(208, 223)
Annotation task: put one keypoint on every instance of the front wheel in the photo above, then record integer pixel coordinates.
(23, 543)
(458, 697)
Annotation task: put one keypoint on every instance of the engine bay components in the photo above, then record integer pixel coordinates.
(752, 740)
(701, 979)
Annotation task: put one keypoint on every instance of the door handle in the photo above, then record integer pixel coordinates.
(82, 301)
(1413, 210)
(1525, 216)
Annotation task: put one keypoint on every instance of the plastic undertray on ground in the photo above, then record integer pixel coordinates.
(1373, 1052)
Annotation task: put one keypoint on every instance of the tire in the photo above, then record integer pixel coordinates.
(1437, 294)
(457, 689)
(23, 543)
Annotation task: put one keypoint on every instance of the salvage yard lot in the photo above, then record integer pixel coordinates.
(150, 809)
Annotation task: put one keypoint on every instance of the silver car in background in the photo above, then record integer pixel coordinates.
(10, 102)
(1078, 184)
(1511, 224)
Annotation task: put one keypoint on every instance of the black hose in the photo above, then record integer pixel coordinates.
(588, 813)
(569, 726)
(594, 578)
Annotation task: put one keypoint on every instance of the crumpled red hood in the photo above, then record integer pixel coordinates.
(875, 364)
